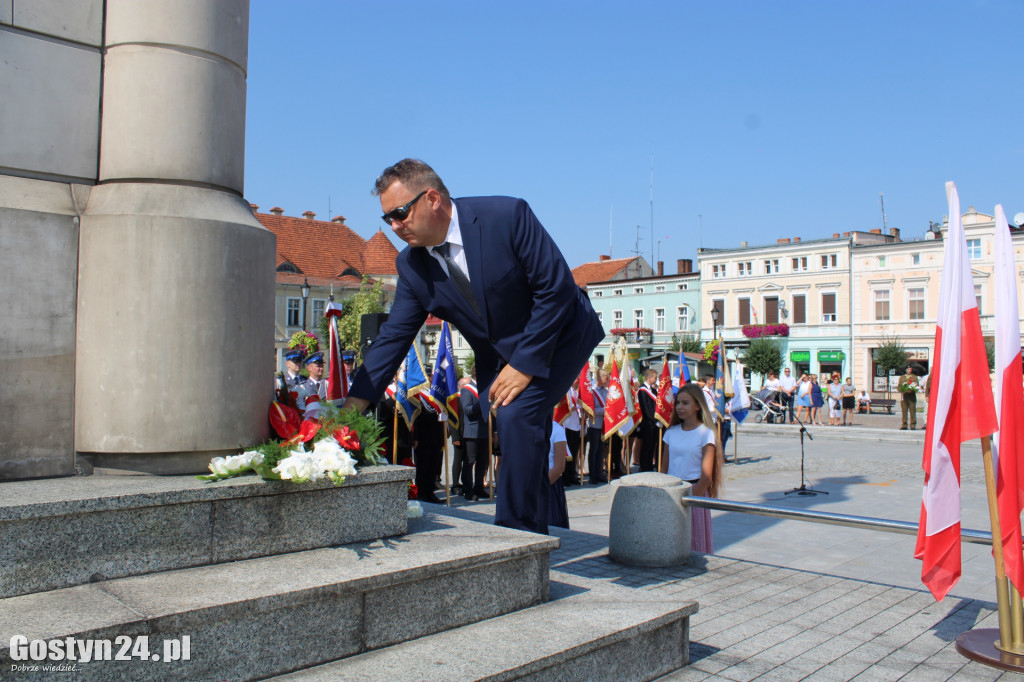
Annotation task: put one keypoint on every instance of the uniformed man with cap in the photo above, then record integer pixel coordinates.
(348, 358)
(314, 389)
(293, 361)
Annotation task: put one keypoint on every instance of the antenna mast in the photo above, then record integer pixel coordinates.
(885, 225)
(652, 210)
(611, 214)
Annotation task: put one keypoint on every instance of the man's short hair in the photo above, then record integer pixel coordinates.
(709, 376)
(414, 174)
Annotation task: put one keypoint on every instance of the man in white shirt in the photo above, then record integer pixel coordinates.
(787, 384)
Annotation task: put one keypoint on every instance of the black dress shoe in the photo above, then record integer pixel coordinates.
(482, 493)
(598, 479)
(431, 498)
(456, 490)
(469, 497)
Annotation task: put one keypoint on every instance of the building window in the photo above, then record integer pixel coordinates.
(828, 307)
(294, 306)
(800, 264)
(745, 269)
(882, 304)
(799, 309)
(829, 261)
(771, 267)
(617, 318)
(719, 305)
(916, 298)
(638, 318)
(743, 310)
(659, 287)
(881, 261)
(915, 258)
(682, 319)
(319, 307)
(600, 316)
(680, 287)
(617, 292)
(638, 290)
(659, 319)
(974, 250)
(977, 296)
(771, 310)
(598, 294)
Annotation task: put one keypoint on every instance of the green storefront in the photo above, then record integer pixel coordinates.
(828, 361)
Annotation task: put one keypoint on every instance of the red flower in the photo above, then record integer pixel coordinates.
(284, 419)
(413, 491)
(347, 438)
(407, 462)
(306, 432)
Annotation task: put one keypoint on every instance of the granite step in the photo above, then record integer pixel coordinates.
(590, 631)
(72, 531)
(260, 617)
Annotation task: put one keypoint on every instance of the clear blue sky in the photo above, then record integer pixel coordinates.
(768, 119)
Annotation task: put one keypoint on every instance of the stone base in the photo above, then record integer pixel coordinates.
(83, 529)
(260, 617)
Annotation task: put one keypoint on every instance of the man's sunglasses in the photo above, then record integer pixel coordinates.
(400, 213)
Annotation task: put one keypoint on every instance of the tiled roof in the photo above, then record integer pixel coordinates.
(600, 271)
(326, 249)
(379, 255)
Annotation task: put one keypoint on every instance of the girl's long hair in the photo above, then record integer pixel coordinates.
(704, 415)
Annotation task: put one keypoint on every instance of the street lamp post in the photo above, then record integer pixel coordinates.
(305, 298)
(714, 322)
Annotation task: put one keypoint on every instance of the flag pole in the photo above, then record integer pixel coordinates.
(447, 472)
(394, 433)
(490, 455)
(661, 445)
(1006, 642)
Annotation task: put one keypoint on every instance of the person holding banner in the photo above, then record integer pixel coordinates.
(693, 456)
(487, 266)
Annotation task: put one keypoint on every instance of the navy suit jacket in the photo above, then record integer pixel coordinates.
(533, 315)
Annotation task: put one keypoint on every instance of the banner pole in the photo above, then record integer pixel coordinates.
(447, 472)
(490, 456)
(1002, 592)
(394, 435)
(661, 446)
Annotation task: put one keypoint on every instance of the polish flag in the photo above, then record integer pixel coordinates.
(565, 407)
(337, 379)
(1009, 441)
(959, 409)
(664, 404)
(616, 411)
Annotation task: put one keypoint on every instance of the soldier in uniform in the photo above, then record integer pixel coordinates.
(314, 389)
(908, 387)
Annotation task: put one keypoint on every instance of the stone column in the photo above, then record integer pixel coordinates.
(176, 277)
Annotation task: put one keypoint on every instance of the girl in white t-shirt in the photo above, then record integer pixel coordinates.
(693, 456)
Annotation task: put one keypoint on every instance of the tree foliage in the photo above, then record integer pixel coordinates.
(368, 300)
(891, 354)
(764, 355)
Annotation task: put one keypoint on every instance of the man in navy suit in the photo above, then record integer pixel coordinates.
(487, 266)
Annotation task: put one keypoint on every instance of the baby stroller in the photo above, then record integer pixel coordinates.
(771, 410)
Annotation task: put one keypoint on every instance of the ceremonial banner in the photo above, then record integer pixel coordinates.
(664, 403)
(586, 395)
(411, 381)
(959, 409)
(1009, 440)
(337, 378)
(565, 407)
(719, 390)
(740, 403)
(627, 380)
(616, 413)
(443, 396)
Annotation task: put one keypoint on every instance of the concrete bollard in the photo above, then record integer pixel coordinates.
(649, 526)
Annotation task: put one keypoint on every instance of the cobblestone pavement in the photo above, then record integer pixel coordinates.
(790, 600)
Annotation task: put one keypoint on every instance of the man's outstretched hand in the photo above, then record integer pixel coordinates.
(509, 383)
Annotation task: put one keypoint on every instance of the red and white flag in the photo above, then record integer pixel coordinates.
(959, 409)
(628, 382)
(337, 379)
(565, 407)
(616, 411)
(586, 393)
(1009, 441)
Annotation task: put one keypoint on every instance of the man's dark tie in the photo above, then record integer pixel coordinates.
(457, 276)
